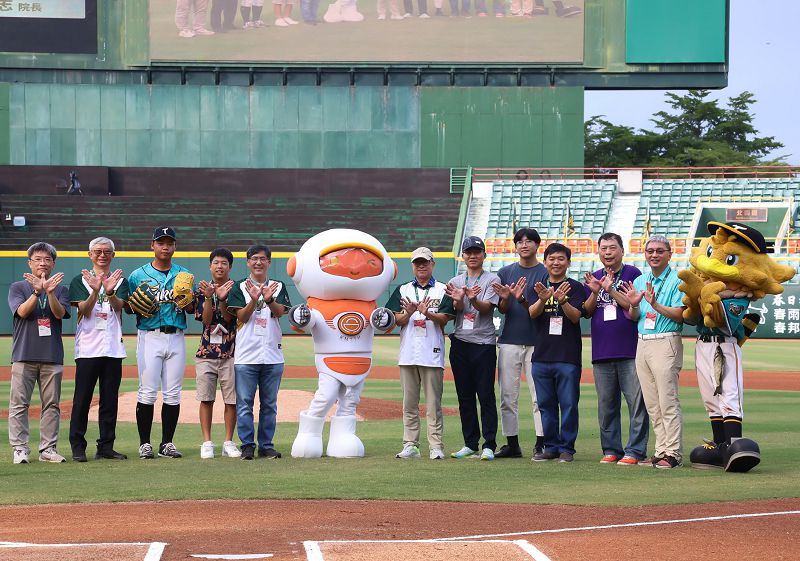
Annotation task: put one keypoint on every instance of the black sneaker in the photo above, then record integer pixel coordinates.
(79, 456)
(248, 451)
(269, 453)
(168, 450)
(568, 12)
(545, 456)
(507, 451)
(110, 455)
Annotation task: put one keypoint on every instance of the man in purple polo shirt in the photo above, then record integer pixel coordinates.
(614, 339)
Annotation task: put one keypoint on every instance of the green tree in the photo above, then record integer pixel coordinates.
(695, 132)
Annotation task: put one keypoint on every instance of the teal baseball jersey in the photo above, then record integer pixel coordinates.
(168, 313)
(735, 309)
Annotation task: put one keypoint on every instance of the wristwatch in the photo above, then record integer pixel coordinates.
(270, 301)
(111, 293)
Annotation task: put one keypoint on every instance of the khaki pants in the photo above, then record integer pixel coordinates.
(658, 363)
(24, 375)
(185, 9)
(521, 7)
(412, 378)
(394, 8)
(512, 362)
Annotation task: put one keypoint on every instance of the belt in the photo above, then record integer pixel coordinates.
(165, 329)
(715, 339)
(649, 336)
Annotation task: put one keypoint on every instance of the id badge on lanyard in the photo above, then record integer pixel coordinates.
(469, 321)
(217, 332)
(650, 320)
(420, 328)
(261, 326)
(101, 318)
(556, 325)
(610, 312)
(44, 327)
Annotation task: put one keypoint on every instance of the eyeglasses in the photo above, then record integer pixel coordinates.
(259, 259)
(42, 259)
(99, 252)
(656, 251)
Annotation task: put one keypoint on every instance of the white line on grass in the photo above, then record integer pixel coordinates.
(627, 525)
(531, 550)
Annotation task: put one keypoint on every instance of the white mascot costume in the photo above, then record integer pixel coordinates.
(340, 273)
(343, 10)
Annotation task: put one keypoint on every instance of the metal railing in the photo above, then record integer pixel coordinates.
(534, 173)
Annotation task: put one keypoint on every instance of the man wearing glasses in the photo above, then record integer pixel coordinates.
(258, 302)
(99, 295)
(656, 304)
(39, 304)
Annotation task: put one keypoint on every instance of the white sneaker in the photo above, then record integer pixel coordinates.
(146, 451)
(259, 23)
(50, 455)
(487, 454)
(249, 25)
(397, 17)
(465, 452)
(230, 450)
(207, 450)
(186, 33)
(437, 454)
(382, 17)
(290, 21)
(22, 455)
(280, 22)
(424, 16)
(410, 452)
(203, 31)
(406, 15)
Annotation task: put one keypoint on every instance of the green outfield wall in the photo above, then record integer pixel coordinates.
(136, 125)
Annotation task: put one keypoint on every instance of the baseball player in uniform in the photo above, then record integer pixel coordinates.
(422, 309)
(160, 310)
(99, 295)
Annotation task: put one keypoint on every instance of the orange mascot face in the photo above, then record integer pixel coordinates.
(352, 263)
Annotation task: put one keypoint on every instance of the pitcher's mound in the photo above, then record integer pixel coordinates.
(290, 404)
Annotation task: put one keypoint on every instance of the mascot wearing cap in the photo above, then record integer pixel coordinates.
(728, 270)
(340, 273)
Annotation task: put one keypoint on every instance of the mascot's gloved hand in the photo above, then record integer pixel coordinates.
(300, 315)
(382, 319)
(182, 293)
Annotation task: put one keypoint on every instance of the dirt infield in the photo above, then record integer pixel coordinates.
(413, 531)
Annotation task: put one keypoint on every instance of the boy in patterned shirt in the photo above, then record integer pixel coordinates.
(214, 358)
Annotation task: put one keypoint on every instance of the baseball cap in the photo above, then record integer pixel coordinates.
(422, 253)
(745, 234)
(164, 232)
(473, 242)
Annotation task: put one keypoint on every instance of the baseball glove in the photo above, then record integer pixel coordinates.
(182, 290)
(143, 300)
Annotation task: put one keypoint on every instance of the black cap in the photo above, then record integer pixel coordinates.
(745, 234)
(164, 232)
(473, 242)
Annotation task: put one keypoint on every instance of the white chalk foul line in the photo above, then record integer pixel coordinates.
(626, 525)
(232, 556)
(313, 552)
(101, 544)
(531, 550)
(155, 551)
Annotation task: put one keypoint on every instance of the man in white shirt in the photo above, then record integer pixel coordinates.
(422, 309)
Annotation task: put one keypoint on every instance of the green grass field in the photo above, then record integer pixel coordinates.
(771, 419)
(544, 39)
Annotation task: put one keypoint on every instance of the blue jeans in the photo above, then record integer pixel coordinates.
(611, 379)
(558, 387)
(309, 9)
(267, 378)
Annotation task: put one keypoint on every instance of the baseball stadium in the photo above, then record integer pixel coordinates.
(212, 146)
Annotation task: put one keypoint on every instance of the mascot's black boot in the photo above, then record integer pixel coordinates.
(708, 456)
(742, 455)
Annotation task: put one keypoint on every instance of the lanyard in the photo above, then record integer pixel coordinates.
(557, 311)
(424, 294)
(42, 300)
(663, 282)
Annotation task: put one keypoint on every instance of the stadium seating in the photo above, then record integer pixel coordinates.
(283, 222)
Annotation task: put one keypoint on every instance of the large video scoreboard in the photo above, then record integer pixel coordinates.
(608, 44)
